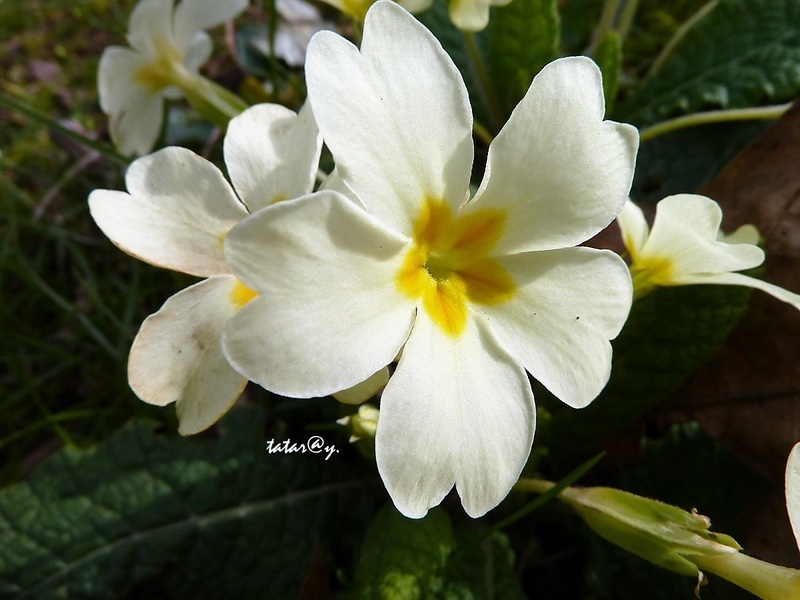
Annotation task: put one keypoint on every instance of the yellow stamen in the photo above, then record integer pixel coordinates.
(241, 295)
(448, 263)
(166, 70)
(651, 272)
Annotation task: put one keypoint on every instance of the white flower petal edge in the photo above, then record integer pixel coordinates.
(633, 228)
(272, 154)
(561, 171)
(361, 392)
(177, 356)
(330, 315)
(454, 412)
(793, 491)
(414, 139)
(177, 211)
(773, 290)
(192, 16)
(570, 303)
(686, 229)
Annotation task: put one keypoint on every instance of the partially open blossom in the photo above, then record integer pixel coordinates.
(176, 214)
(168, 46)
(474, 291)
(686, 246)
(472, 15)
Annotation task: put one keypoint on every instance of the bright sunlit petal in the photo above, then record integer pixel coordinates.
(395, 115)
(176, 215)
(561, 172)
(456, 412)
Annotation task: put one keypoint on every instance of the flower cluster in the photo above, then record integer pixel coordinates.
(393, 259)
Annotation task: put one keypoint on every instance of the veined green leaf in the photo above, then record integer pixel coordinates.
(185, 517)
(404, 559)
(739, 53)
(522, 38)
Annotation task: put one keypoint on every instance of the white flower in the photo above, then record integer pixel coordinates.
(176, 214)
(472, 15)
(168, 45)
(793, 491)
(686, 247)
(473, 292)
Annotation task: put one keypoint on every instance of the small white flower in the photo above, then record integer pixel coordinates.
(168, 44)
(472, 15)
(474, 292)
(176, 214)
(686, 246)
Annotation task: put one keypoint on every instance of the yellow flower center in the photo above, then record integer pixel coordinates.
(649, 273)
(165, 70)
(241, 294)
(448, 264)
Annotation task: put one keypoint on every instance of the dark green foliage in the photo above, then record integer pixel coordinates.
(669, 334)
(523, 38)
(187, 517)
(741, 53)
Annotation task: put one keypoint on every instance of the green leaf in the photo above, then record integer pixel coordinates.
(608, 57)
(403, 559)
(664, 167)
(669, 333)
(437, 20)
(522, 38)
(740, 53)
(180, 517)
(481, 568)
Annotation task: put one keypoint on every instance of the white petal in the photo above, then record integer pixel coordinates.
(746, 234)
(634, 228)
(396, 115)
(150, 20)
(335, 183)
(793, 491)
(198, 51)
(196, 15)
(685, 230)
(177, 355)
(456, 411)
(469, 15)
(272, 154)
(568, 306)
(176, 215)
(562, 172)
(331, 314)
(361, 392)
(135, 113)
(773, 290)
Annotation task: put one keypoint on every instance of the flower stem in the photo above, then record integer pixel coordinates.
(713, 116)
(765, 580)
(211, 100)
(605, 23)
(485, 84)
(481, 132)
(626, 18)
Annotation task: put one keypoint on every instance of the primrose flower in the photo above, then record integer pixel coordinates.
(168, 46)
(474, 292)
(686, 247)
(176, 214)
